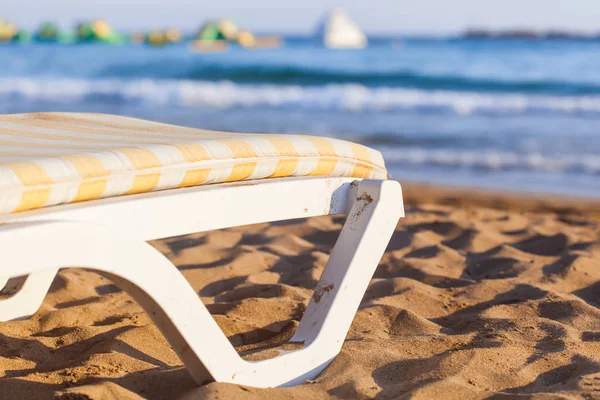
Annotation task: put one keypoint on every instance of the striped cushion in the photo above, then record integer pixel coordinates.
(48, 159)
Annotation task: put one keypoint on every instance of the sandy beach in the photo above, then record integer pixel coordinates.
(479, 295)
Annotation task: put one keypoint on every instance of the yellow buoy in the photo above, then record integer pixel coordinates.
(173, 35)
(246, 39)
(101, 28)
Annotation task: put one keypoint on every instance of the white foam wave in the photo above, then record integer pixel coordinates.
(494, 160)
(343, 97)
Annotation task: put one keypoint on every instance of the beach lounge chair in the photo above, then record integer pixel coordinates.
(89, 191)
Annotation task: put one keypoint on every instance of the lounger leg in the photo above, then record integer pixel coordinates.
(141, 270)
(369, 226)
(28, 297)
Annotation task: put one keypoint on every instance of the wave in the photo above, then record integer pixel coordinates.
(493, 160)
(311, 76)
(344, 98)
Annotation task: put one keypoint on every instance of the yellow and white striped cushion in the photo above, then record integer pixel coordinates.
(57, 158)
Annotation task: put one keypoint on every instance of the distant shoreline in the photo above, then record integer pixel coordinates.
(527, 34)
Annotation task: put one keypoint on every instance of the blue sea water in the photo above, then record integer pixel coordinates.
(511, 114)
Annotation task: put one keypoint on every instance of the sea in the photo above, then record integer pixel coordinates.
(509, 114)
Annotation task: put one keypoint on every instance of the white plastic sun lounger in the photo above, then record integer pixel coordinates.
(84, 190)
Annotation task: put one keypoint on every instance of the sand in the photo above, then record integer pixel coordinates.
(479, 295)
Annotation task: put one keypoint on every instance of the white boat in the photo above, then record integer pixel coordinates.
(338, 31)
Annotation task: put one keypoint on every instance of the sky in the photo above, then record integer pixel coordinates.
(429, 17)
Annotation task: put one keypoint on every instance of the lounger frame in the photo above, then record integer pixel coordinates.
(109, 236)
